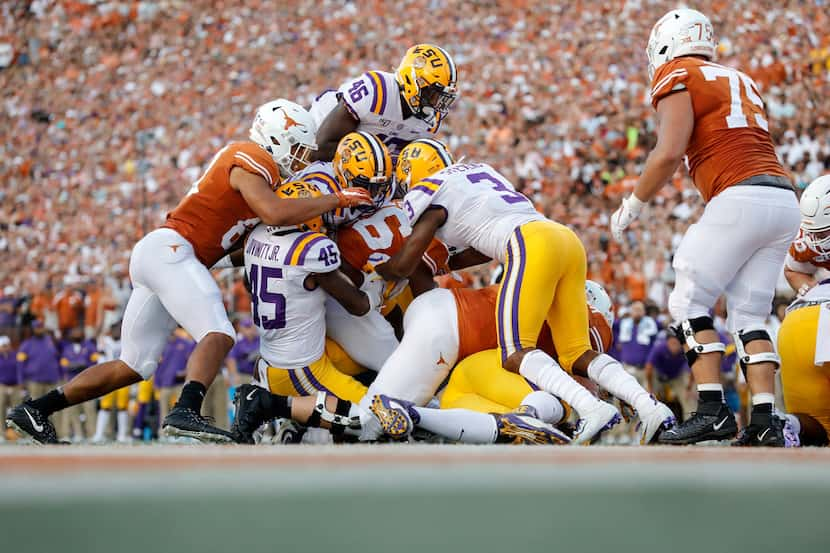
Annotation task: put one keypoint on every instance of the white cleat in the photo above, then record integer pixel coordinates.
(593, 423)
(660, 418)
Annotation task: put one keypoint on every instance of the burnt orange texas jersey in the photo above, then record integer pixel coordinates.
(802, 253)
(730, 141)
(375, 238)
(213, 216)
(476, 310)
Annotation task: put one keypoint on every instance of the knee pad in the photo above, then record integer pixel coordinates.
(747, 335)
(685, 332)
(339, 420)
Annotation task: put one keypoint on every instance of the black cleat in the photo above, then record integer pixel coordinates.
(185, 422)
(710, 422)
(28, 421)
(251, 407)
(762, 435)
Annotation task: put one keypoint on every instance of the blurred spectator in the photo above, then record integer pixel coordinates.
(9, 381)
(170, 374)
(77, 354)
(69, 306)
(244, 353)
(39, 366)
(667, 375)
(8, 313)
(634, 335)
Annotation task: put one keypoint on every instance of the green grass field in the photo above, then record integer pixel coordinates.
(402, 498)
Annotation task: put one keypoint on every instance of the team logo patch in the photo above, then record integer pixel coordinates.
(291, 123)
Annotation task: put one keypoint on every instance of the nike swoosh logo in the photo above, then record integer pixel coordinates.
(721, 423)
(250, 396)
(36, 426)
(762, 434)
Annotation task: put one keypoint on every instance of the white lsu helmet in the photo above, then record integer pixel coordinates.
(288, 132)
(599, 299)
(815, 215)
(681, 32)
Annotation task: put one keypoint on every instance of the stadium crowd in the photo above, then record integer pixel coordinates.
(110, 110)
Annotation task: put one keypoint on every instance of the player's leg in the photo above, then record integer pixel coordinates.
(103, 419)
(806, 385)
(122, 403)
(342, 360)
(748, 303)
(144, 330)
(540, 257)
(353, 333)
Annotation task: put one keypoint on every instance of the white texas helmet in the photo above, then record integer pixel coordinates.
(681, 32)
(288, 132)
(815, 215)
(599, 299)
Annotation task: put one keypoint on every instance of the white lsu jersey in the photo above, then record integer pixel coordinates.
(374, 100)
(290, 318)
(483, 208)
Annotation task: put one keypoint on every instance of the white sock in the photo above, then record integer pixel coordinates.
(711, 388)
(760, 399)
(123, 419)
(540, 368)
(461, 425)
(608, 373)
(101, 425)
(549, 408)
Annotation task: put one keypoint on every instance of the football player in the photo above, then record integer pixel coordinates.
(445, 327)
(714, 115)
(397, 107)
(170, 271)
(804, 337)
(472, 206)
(293, 269)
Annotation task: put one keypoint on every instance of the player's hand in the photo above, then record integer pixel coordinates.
(354, 196)
(373, 286)
(625, 215)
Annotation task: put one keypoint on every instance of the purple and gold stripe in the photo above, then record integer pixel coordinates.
(324, 179)
(299, 249)
(509, 296)
(297, 384)
(314, 382)
(379, 88)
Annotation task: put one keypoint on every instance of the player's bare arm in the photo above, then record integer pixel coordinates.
(406, 260)
(337, 124)
(800, 282)
(283, 212)
(340, 287)
(468, 258)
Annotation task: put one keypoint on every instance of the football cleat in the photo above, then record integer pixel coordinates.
(713, 422)
(28, 421)
(518, 428)
(187, 423)
(250, 408)
(652, 425)
(397, 417)
(762, 435)
(791, 437)
(593, 423)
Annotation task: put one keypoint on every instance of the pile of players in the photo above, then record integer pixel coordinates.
(343, 215)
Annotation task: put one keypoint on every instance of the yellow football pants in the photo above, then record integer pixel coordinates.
(120, 399)
(320, 376)
(806, 385)
(480, 384)
(544, 280)
(340, 359)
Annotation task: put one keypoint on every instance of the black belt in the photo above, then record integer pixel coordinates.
(772, 181)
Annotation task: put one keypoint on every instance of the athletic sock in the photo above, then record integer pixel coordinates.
(610, 374)
(193, 394)
(101, 425)
(460, 425)
(762, 407)
(122, 420)
(548, 408)
(50, 403)
(278, 407)
(541, 369)
(710, 393)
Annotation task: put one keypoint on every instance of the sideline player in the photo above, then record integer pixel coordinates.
(804, 336)
(426, 87)
(714, 116)
(472, 206)
(170, 272)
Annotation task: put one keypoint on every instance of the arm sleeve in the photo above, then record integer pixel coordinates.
(670, 77)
